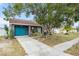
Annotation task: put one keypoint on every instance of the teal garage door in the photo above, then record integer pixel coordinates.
(21, 30)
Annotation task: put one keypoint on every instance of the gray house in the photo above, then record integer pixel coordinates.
(22, 27)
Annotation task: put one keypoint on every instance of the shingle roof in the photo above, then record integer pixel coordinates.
(23, 22)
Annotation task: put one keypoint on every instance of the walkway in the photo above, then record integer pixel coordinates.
(36, 48)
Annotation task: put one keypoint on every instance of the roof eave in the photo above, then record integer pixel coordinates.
(25, 24)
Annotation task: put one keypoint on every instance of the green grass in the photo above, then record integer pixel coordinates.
(74, 50)
(57, 38)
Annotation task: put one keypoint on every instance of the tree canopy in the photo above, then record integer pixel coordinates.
(49, 15)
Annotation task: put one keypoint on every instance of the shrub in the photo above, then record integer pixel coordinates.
(11, 35)
(6, 29)
(36, 34)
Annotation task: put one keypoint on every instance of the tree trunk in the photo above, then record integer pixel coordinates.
(67, 32)
(49, 28)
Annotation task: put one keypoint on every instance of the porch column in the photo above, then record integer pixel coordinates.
(29, 30)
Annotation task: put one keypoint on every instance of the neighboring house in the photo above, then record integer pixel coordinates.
(74, 31)
(24, 27)
(2, 24)
(55, 30)
(2, 32)
(62, 30)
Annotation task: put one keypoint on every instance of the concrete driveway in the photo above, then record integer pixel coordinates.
(36, 48)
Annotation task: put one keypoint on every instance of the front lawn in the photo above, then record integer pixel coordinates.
(11, 48)
(57, 38)
(74, 50)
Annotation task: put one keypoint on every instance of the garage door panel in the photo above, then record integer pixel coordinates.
(21, 30)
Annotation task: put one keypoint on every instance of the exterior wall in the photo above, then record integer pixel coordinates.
(36, 29)
(39, 30)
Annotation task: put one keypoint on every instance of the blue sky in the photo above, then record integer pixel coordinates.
(2, 5)
(1, 9)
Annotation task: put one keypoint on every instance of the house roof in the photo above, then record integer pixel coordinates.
(23, 22)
